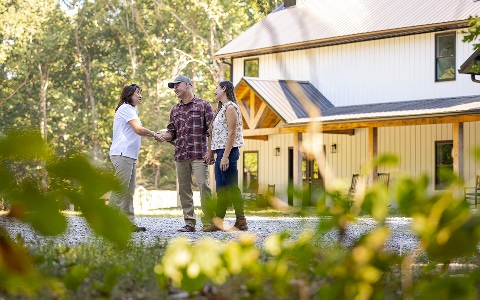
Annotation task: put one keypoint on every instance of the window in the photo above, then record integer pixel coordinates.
(250, 67)
(250, 172)
(445, 56)
(443, 161)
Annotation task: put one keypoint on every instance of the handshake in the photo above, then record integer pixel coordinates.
(161, 137)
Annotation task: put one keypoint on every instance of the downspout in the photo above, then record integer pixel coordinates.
(474, 79)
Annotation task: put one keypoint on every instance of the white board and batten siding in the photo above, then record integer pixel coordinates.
(385, 70)
(414, 145)
(277, 173)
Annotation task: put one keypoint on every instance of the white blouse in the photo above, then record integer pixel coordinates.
(220, 128)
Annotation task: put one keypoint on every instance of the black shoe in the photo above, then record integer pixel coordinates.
(186, 228)
(138, 228)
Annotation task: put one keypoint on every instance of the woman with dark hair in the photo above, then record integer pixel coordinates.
(225, 141)
(125, 147)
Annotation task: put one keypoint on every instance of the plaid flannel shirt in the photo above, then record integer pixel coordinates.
(190, 127)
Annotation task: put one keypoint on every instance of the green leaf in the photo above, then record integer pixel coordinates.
(75, 276)
(40, 210)
(93, 182)
(105, 220)
(23, 145)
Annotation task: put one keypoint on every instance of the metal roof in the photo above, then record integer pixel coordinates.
(399, 110)
(289, 99)
(298, 102)
(466, 67)
(313, 23)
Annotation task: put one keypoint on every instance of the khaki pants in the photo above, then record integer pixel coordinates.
(199, 169)
(125, 171)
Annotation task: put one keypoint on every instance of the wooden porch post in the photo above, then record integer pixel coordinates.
(458, 148)
(297, 166)
(372, 151)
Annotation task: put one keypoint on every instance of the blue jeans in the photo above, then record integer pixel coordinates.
(227, 185)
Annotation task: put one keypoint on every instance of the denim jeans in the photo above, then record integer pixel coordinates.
(227, 185)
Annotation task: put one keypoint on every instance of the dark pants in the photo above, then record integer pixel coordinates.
(227, 185)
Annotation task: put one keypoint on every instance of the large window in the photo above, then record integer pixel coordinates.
(250, 172)
(250, 67)
(445, 56)
(443, 161)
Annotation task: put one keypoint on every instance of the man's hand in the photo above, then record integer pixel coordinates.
(160, 137)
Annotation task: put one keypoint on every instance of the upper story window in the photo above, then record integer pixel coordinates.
(445, 56)
(250, 67)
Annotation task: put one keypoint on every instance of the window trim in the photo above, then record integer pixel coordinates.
(454, 33)
(245, 66)
(438, 185)
(244, 189)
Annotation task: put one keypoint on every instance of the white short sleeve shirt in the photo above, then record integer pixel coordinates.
(125, 141)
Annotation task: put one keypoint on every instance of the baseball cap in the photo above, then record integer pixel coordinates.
(180, 78)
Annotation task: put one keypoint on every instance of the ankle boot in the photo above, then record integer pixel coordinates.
(241, 224)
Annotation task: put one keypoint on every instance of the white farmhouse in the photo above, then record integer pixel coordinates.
(381, 76)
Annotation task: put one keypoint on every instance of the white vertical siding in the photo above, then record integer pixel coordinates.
(271, 169)
(414, 145)
(386, 70)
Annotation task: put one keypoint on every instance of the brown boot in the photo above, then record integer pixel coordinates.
(241, 224)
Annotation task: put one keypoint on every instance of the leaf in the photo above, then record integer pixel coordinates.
(23, 145)
(38, 209)
(93, 182)
(104, 220)
(75, 276)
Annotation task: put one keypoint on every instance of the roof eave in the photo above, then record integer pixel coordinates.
(347, 39)
(386, 118)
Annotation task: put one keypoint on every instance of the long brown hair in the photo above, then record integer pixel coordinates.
(127, 93)
(229, 91)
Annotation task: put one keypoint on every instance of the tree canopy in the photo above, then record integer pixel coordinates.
(63, 65)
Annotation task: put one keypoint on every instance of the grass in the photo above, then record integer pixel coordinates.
(127, 273)
(113, 273)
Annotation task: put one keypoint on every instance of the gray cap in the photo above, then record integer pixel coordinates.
(180, 78)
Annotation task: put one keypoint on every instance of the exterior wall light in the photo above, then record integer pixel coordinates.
(333, 148)
(277, 151)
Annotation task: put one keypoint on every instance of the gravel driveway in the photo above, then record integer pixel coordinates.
(165, 228)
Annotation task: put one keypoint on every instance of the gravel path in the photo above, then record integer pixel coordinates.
(164, 228)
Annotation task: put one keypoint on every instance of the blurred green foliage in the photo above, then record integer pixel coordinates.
(282, 268)
(35, 196)
(306, 267)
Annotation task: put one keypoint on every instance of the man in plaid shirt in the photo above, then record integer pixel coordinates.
(189, 128)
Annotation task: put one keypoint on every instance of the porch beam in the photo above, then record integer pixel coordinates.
(348, 126)
(260, 116)
(251, 104)
(373, 151)
(257, 137)
(297, 166)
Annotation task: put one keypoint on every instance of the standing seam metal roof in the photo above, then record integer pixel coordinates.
(285, 97)
(288, 98)
(316, 20)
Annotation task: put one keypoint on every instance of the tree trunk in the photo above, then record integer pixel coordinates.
(87, 70)
(43, 72)
(43, 99)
